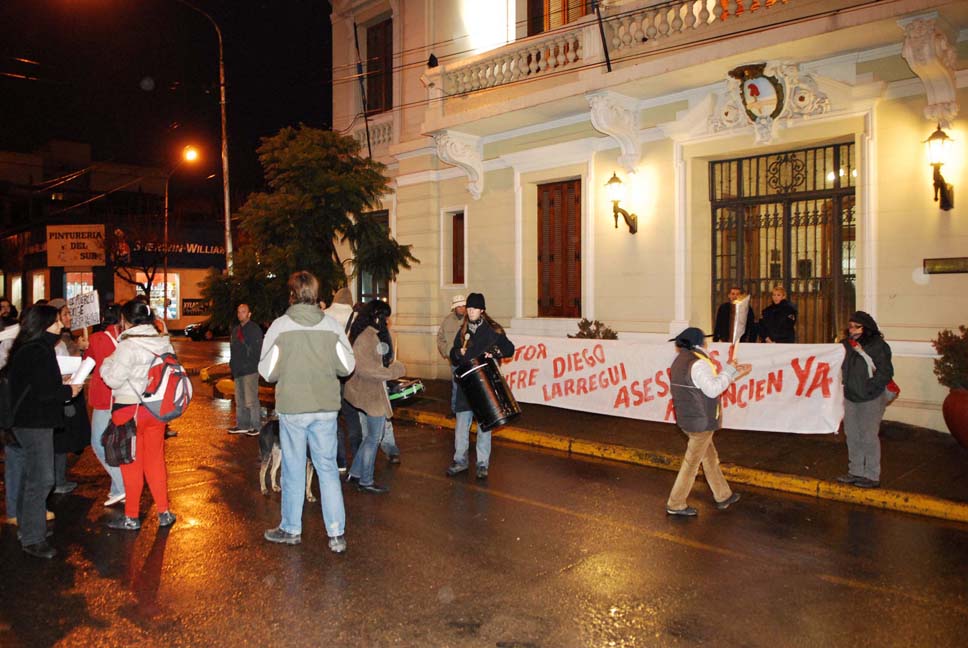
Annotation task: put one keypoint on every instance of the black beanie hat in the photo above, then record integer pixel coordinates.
(690, 338)
(865, 320)
(475, 300)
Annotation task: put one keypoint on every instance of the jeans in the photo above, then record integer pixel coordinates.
(462, 431)
(318, 429)
(248, 410)
(700, 449)
(364, 461)
(60, 468)
(389, 442)
(99, 423)
(354, 431)
(13, 476)
(453, 391)
(862, 423)
(38, 480)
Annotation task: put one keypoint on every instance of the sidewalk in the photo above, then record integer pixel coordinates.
(922, 471)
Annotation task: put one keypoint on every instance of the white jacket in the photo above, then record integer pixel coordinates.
(126, 370)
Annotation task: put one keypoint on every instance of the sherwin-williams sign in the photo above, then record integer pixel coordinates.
(75, 245)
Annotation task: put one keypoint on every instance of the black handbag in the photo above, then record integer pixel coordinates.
(119, 442)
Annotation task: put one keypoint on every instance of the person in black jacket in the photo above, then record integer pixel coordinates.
(478, 336)
(867, 370)
(722, 331)
(35, 382)
(779, 321)
(245, 344)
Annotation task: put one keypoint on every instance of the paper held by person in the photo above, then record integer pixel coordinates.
(83, 371)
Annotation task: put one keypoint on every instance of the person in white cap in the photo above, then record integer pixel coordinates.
(445, 339)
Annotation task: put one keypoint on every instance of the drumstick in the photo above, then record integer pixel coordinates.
(467, 338)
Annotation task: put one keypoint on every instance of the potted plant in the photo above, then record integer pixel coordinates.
(951, 368)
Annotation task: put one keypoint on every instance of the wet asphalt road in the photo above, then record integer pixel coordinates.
(549, 551)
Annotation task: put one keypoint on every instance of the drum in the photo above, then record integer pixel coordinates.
(487, 393)
(401, 389)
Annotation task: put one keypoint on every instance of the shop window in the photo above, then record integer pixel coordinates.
(454, 248)
(38, 285)
(78, 283)
(17, 292)
(158, 292)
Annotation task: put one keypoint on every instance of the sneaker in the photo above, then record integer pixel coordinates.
(393, 459)
(337, 544)
(65, 488)
(40, 550)
(686, 512)
(166, 519)
(456, 469)
(114, 499)
(864, 482)
(251, 432)
(373, 489)
(237, 430)
(279, 536)
(342, 470)
(169, 433)
(125, 523)
(481, 471)
(849, 479)
(732, 499)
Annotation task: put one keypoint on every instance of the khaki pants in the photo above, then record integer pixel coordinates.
(699, 450)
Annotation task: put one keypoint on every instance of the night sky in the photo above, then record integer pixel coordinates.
(138, 79)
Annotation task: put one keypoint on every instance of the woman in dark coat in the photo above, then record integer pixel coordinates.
(479, 335)
(779, 321)
(35, 382)
(867, 370)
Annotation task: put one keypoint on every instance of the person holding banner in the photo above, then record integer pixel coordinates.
(867, 371)
(779, 321)
(725, 315)
(478, 335)
(76, 433)
(696, 388)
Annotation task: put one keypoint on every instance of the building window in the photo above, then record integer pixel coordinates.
(559, 249)
(157, 298)
(77, 283)
(453, 252)
(788, 219)
(379, 67)
(369, 288)
(38, 285)
(545, 15)
(17, 292)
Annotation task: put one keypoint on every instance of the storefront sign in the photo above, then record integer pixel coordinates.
(85, 310)
(75, 245)
(194, 307)
(792, 388)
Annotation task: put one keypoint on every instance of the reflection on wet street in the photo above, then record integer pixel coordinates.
(548, 551)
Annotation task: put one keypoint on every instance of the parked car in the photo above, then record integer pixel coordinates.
(205, 331)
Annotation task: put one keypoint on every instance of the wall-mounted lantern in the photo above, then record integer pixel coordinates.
(616, 192)
(939, 148)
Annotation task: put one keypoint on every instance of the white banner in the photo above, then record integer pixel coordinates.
(792, 388)
(85, 310)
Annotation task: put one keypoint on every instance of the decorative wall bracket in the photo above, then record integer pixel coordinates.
(618, 117)
(465, 151)
(931, 56)
(765, 94)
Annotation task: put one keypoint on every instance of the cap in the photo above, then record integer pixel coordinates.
(457, 301)
(475, 300)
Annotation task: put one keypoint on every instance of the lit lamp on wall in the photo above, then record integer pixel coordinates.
(616, 193)
(939, 148)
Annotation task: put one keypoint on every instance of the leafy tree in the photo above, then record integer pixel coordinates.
(320, 190)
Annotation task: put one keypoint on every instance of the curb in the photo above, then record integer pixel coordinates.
(882, 498)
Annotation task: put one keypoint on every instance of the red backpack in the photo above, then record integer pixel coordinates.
(169, 389)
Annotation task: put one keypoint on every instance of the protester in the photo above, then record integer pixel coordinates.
(341, 309)
(366, 388)
(723, 329)
(245, 345)
(126, 372)
(779, 320)
(102, 344)
(35, 381)
(8, 312)
(478, 336)
(696, 388)
(76, 432)
(306, 352)
(446, 333)
(867, 370)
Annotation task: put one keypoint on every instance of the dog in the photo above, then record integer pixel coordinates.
(271, 454)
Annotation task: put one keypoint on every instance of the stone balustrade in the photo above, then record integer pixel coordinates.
(381, 131)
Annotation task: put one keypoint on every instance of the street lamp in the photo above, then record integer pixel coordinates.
(190, 155)
(225, 137)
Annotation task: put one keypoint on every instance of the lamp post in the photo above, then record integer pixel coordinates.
(225, 137)
(189, 154)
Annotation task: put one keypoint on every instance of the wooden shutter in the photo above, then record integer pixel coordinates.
(559, 249)
(379, 66)
(457, 253)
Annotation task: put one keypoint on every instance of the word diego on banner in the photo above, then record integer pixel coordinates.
(792, 387)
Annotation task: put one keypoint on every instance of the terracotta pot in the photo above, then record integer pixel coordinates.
(955, 411)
